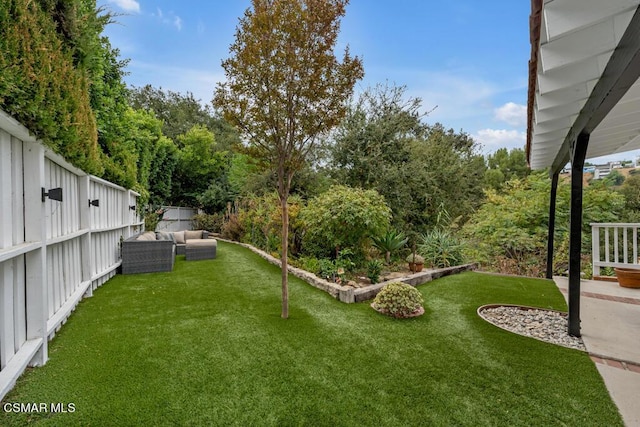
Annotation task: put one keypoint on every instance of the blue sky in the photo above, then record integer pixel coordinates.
(468, 58)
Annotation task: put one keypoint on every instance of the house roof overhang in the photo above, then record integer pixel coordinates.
(583, 78)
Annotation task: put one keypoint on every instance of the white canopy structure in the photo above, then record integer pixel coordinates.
(583, 52)
(584, 99)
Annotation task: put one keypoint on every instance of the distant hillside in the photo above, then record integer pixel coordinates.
(588, 176)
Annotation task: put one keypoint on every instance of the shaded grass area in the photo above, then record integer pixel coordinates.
(205, 345)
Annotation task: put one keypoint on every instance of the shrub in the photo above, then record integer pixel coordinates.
(261, 221)
(232, 229)
(441, 248)
(209, 222)
(512, 225)
(327, 269)
(332, 270)
(615, 178)
(399, 300)
(310, 264)
(345, 260)
(374, 268)
(152, 218)
(342, 218)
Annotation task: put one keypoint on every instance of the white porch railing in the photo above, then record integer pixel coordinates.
(614, 245)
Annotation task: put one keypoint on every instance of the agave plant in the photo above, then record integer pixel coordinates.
(391, 241)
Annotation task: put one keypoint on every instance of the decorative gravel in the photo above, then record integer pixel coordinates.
(545, 325)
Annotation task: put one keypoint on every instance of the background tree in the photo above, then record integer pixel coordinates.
(631, 192)
(505, 165)
(285, 87)
(445, 173)
(199, 165)
(189, 125)
(163, 166)
(181, 112)
(614, 179)
(373, 139)
(382, 144)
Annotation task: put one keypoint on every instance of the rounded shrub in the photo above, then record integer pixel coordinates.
(399, 300)
(345, 218)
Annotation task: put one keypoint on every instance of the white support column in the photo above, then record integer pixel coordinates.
(36, 260)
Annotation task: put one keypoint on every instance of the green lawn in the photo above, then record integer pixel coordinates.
(205, 345)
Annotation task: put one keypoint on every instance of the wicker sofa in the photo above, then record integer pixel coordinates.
(151, 252)
(181, 237)
(143, 253)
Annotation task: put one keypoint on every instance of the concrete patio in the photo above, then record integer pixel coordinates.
(610, 322)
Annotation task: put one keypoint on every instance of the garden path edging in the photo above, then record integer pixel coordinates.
(347, 294)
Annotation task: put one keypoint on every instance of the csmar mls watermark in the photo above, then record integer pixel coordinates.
(39, 407)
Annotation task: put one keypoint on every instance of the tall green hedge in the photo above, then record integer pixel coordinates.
(41, 87)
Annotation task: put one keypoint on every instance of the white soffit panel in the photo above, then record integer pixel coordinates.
(566, 16)
(618, 132)
(577, 39)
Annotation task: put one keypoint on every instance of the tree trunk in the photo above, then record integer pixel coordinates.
(285, 253)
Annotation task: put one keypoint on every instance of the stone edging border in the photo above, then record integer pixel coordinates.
(348, 294)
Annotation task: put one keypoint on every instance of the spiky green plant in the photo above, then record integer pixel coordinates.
(441, 248)
(374, 268)
(389, 242)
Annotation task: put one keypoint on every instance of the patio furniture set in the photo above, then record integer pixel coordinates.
(156, 251)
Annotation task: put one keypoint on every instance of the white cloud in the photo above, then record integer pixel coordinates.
(128, 5)
(512, 113)
(168, 19)
(177, 22)
(465, 100)
(492, 139)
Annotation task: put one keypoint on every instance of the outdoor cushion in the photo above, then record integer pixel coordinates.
(148, 235)
(201, 243)
(163, 235)
(178, 236)
(192, 234)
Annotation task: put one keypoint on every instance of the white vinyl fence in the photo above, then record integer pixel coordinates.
(176, 218)
(52, 253)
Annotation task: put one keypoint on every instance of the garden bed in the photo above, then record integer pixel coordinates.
(350, 294)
